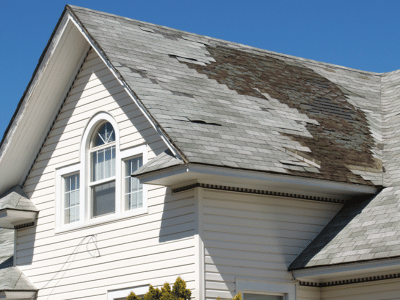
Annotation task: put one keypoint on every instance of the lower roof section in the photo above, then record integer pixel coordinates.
(350, 272)
(176, 175)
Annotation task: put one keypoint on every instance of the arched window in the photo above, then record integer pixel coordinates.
(100, 187)
(102, 170)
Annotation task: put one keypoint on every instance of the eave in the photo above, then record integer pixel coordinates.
(14, 218)
(180, 175)
(40, 103)
(349, 272)
(17, 295)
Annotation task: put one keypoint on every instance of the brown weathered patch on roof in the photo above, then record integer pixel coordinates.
(342, 136)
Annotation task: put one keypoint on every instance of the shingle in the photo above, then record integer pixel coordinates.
(233, 105)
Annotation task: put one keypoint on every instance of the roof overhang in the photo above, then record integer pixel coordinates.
(348, 271)
(17, 295)
(38, 107)
(189, 173)
(14, 218)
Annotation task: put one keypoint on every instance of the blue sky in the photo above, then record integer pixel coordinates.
(358, 34)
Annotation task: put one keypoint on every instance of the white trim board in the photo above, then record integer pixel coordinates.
(287, 290)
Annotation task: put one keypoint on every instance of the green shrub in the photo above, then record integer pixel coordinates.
(178, 292)
(237, 297)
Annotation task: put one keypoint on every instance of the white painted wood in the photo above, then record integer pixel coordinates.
(199, 244)
(151, 248)
(256, 237)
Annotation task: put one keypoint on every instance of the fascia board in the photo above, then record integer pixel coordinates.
(28, 104)
(12, 217)
(17, 294)
(45, 58)
(176, 175)
(127, 88)
(350, 270)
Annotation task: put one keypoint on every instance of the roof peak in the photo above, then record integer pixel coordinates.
(243, 47)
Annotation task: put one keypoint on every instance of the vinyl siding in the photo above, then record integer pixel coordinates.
(376, 290)
(308, 293)
(152, 248)
(256, 237)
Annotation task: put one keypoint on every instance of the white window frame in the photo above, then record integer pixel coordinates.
(61, 173)
(84, 170)
(125, 156)
(286, 290)
(85, 194)
(124, 292)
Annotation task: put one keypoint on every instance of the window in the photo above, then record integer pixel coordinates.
(133, 187)
(248, 296)
(71, 198)
(265, 290)
(99, 188)
(102, 167)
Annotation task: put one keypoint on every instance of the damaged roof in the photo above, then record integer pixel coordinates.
(226, 104)
(231, 105)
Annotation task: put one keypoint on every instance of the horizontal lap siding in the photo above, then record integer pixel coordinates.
(152, 248)
(376, 290)
(256, 237)
(308, 293)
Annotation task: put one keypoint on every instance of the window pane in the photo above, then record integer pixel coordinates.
(104, 135)
(103, 163)
(261, 297)
(133, 187)
(103, 199)
(71, 198)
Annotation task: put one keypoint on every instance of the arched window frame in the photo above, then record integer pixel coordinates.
(83, 168)
(85, 192)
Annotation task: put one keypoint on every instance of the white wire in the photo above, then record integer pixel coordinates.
(89, 238)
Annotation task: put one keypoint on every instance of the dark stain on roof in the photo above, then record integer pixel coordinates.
(342, 136)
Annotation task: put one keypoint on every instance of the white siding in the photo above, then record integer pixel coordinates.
(308, 293)
(148, 249)
(256, 237)
(376, 290)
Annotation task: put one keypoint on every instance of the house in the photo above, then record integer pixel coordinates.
(139, 153)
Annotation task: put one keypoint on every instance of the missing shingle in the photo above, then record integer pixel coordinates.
(146, 29)
(186, 119)
(181, 57)
(182, 94)
(168, 35)
(204, 122)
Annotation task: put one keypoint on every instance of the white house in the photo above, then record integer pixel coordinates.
(259, 172)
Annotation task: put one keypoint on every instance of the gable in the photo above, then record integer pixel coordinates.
(95, 90)
(32, 120)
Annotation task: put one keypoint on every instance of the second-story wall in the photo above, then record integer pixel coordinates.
(151, 248)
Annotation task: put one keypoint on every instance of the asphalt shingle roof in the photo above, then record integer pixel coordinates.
(11, 278)
(226, 104)
(16, 198)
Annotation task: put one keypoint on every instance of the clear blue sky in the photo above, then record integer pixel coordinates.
(358, 34)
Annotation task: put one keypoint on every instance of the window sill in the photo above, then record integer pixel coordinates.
(112, 218)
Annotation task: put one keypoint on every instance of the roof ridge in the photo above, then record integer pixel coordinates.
(230, 43)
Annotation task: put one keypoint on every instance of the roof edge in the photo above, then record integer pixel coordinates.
(341, 269)
(92, 41)
(5, 134)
